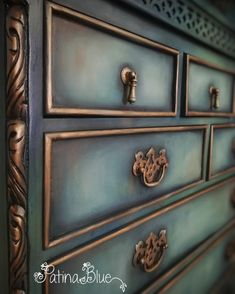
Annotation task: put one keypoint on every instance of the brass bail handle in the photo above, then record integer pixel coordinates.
(129, 79)
(214, 97)
(149, 254)
(151, 166)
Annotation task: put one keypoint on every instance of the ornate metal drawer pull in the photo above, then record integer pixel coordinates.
(214, 97)
(149, 254)
(129, 79)
(151, 166)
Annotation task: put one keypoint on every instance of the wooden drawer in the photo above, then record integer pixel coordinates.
(84, 61)
(226, 283)
(222, 150)
(186, 222)
(204, 272)
(90, 175)
(209, 89)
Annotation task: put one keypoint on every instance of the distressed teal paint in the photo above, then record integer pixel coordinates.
(201, 78)
(186, 226)
(223, 157)
(87, 63)
(92, 177)
(120, 15)
(204, 274)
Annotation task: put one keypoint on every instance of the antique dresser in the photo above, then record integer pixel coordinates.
(118, 172)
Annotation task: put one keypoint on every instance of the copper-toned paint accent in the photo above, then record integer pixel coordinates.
(48, 141)
(151, 166)
(188, 262)
(202, 249)
(149, 254)
(16, 34)
(200, 61)
(50, 109)
(229, 170)
(139, 222)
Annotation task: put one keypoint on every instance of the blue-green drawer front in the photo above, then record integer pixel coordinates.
(205, 274)
(88, 175)
(201, 76)
(222, 150)
(84, 61)
(187, 222)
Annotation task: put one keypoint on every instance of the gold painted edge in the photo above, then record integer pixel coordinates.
(188, 262)
(48, 141)
(51, 110)
(54, 136)
(204, 62)
(190, 58)
(139, 222)
(206, 114)
(217, 236)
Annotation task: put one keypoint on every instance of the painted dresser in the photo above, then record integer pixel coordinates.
(118, 172)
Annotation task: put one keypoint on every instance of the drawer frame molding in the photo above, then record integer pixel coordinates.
(92, 245)
(226, 171)
(17, 141)
(190, 58)
(50, 109)
(49, 138)
(189, 261)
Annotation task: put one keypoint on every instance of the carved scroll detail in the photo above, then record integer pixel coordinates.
(150, 253)
(191, 19)
(16, 32)
(151, 166)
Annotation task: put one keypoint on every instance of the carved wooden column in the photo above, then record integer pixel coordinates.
(17, 105)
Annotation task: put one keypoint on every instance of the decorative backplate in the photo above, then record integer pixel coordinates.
(191, 19)
(16, 34)
(149, 254)
(151, 167)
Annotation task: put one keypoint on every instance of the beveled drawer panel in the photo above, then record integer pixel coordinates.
(185, 223)
(90, 175)
(222, 150)
(209, 89)
(204, 272)
(84, 61)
